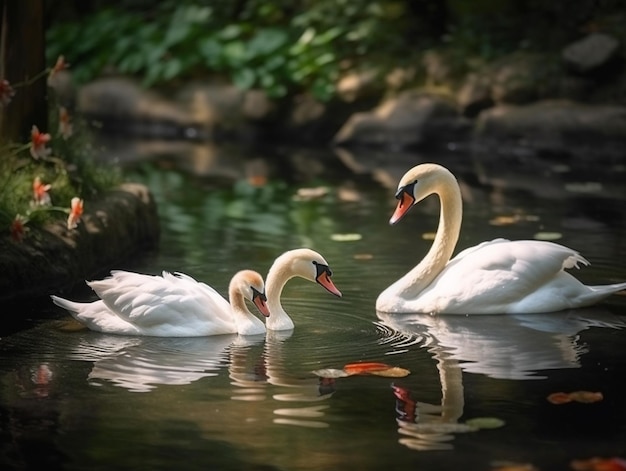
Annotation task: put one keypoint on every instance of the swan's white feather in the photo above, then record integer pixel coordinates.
(169, 306)
(498, 276)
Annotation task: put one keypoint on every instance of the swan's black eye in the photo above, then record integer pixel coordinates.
(409, 189)
(257, 294)
(321, 268)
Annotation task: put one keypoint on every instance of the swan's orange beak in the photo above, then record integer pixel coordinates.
(324, 279)
(259, 301)
(405, 201)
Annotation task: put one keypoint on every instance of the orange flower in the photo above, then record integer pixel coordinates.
(76, 211)
(59, 66)
(6, 92)
(18, 228)
(40, 192)
(38, 141)
(65, 124)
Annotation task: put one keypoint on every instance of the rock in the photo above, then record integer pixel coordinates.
(120, 105)
(409, 120)
(591, 52)
(554, 127)
(475, 95)
(358, 85)
(49, 259)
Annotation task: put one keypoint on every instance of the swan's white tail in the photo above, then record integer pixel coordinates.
(71, 306)
(599, 292)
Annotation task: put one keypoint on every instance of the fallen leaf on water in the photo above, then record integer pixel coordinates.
(548, 236)
(365, 367)
(559, 398)
(585, 397)
(346, 237)
(503, 220)
(584, 187)
(599, 464)
(485, 422)
(512, 466)
(330, 373)
(394, 372)
(305, 194)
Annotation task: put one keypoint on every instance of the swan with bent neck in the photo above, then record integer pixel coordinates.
(172, 305)
(494, 277)
(304, 263)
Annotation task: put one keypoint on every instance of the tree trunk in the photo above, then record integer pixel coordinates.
(22, 57)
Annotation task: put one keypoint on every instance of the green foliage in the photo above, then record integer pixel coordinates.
(280, 48)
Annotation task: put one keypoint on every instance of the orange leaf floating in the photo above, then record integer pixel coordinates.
(559, 398)
(365, 367)
(511, 466)
(375, 368)
(393, 372)
(586, 397)
(599, 464)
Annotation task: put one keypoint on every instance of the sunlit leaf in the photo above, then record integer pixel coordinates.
(394, 372)
(365, 367)
(503, 220)
(330, 373)
(375, 368)
(311, 193)
(485, 422)
(346, 237)
(548, 236)
(436, 427)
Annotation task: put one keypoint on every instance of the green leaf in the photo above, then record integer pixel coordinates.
(244, 78)
(211, 50)
(267, 41)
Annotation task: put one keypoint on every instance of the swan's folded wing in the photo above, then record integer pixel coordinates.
(505, 271)
(146, 300)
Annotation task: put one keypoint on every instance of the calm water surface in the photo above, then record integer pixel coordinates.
(75, 399)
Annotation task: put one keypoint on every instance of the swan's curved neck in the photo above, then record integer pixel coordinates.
(242, 316)
(450, 216)
(278, 275)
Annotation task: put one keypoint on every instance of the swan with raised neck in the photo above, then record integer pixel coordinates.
(304, 263)
(498, 276)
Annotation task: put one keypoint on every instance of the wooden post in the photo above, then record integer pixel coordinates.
(22, 57)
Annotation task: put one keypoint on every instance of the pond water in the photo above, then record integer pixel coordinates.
(75, 399)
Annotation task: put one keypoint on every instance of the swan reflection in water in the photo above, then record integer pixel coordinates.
(253, 363)
(515, 347)
(141, 364)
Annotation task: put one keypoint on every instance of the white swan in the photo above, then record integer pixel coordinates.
(172, 305)
(305, 263)
(499, 276)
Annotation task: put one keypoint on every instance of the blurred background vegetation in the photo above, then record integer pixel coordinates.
(287, 46)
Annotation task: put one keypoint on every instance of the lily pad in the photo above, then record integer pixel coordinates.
(485, 422)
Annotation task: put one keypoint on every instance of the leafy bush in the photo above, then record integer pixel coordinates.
(277, 46)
